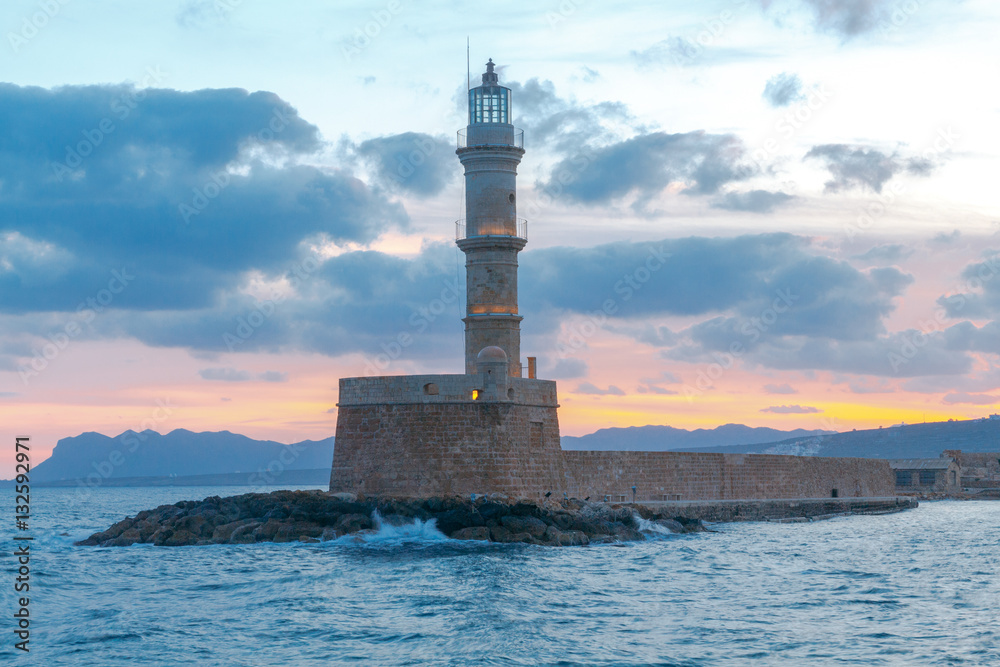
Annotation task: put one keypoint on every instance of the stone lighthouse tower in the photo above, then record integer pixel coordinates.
(491, 235)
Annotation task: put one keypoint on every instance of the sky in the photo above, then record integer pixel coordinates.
(777, 213)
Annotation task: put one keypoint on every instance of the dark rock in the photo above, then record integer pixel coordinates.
(244, 534)
(471, 533)
(222, 533)
(454, 519)
(524, 524)
(573, 538)
(352, 523)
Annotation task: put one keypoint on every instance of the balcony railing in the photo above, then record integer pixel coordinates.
(492, 228)
(491, 135)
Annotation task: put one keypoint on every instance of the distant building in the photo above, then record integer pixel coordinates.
(940, 475)
(977, 470)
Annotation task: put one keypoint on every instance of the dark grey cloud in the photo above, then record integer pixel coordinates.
(783, 89)
(753, 201)
(646, 164)
(792, 409)
(978, 294)
(944, 239)
(891, 355)
(887, 253)
(412, 162)
(104, 179)
(564, 125)
(859, 167)
(846, 18)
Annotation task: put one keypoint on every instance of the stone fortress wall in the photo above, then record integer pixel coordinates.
(425, 435)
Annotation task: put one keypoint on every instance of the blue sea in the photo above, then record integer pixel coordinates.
(917, 588)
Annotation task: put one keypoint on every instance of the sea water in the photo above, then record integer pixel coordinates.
(916, 588)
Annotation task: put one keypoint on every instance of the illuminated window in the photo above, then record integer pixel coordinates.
(475, 394)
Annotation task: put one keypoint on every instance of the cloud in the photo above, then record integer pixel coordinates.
(847, 18)
(783, 89)
(665, 377)
(224, 375)
(412, 162)
(779, 389)
(753, 201)
(860, 167)
(889, 253)
(568, 369)
(564, 124)
(792, 410)
(654, 389)
(979, 295)
(646, 164)
(187, 191)
(588, 388)
(944, 239)
(681, 51)
(972, 399)
(202, 13)
(273, 376)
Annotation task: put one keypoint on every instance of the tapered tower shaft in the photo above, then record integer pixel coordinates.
(491, 235)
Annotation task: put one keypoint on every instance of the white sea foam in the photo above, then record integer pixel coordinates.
(385, 532)
(651, 529)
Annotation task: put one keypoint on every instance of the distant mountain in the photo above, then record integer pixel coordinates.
(665, 438)
(908, 441)
(178, 453)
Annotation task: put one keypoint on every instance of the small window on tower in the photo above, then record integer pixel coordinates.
(510, 197)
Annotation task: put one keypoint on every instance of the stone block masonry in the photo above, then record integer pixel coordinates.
(425, 435)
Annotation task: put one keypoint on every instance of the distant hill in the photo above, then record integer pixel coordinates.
(897, 442)
(180, 453)
(665, 438)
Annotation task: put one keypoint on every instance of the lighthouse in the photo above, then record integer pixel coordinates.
(491, 234)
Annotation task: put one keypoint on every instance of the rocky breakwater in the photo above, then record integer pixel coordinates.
(314, 516)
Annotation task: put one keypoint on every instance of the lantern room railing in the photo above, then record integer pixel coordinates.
(493, 228)
(491, 135)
